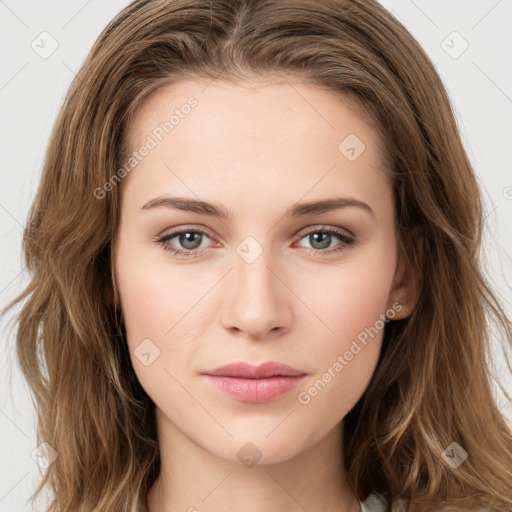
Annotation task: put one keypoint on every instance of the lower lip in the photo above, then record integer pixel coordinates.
(255, 390)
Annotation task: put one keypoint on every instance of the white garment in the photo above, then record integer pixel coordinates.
(373, 503)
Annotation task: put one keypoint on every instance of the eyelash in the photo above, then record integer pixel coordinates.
(191, 253)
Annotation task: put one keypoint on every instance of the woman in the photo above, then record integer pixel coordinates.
(195, 353)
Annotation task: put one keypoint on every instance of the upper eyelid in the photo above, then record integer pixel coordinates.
(178, 230)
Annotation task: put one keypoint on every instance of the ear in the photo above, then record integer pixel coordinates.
(406, 286)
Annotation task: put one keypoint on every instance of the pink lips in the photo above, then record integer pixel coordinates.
(256, 384)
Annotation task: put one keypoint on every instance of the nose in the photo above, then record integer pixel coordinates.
(258, 302)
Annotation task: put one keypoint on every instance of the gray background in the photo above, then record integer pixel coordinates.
(479, 81)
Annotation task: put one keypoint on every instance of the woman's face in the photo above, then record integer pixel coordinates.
(299, 269)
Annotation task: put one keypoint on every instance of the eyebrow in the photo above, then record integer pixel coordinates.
(297, 210)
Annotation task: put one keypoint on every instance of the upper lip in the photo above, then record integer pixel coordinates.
(249, 371)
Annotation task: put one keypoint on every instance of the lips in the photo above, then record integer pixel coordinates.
(248, 371)
(256, 384)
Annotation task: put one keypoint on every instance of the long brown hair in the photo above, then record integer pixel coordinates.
(433, 384)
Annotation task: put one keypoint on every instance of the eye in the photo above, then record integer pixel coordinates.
(191, 241)
(321, 239)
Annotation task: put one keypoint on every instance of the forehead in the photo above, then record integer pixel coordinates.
(252, 134)
(254, 104)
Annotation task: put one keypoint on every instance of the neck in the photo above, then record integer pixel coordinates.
(192, 479)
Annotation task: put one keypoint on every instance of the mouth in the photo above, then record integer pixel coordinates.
(255, 384)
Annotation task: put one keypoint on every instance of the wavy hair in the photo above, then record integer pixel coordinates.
(433, 382)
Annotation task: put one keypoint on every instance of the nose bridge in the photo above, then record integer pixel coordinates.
(258, 301)
(252, 266)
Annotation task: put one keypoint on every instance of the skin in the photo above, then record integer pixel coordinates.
(256, 149)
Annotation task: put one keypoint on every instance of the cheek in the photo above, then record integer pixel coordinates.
(351, 310)
(142, 300)
(351, 296)
(151, 292)
(166, 313)
(149, 311)
(149, 307)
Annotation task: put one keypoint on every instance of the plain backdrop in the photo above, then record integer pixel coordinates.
(469, 41)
